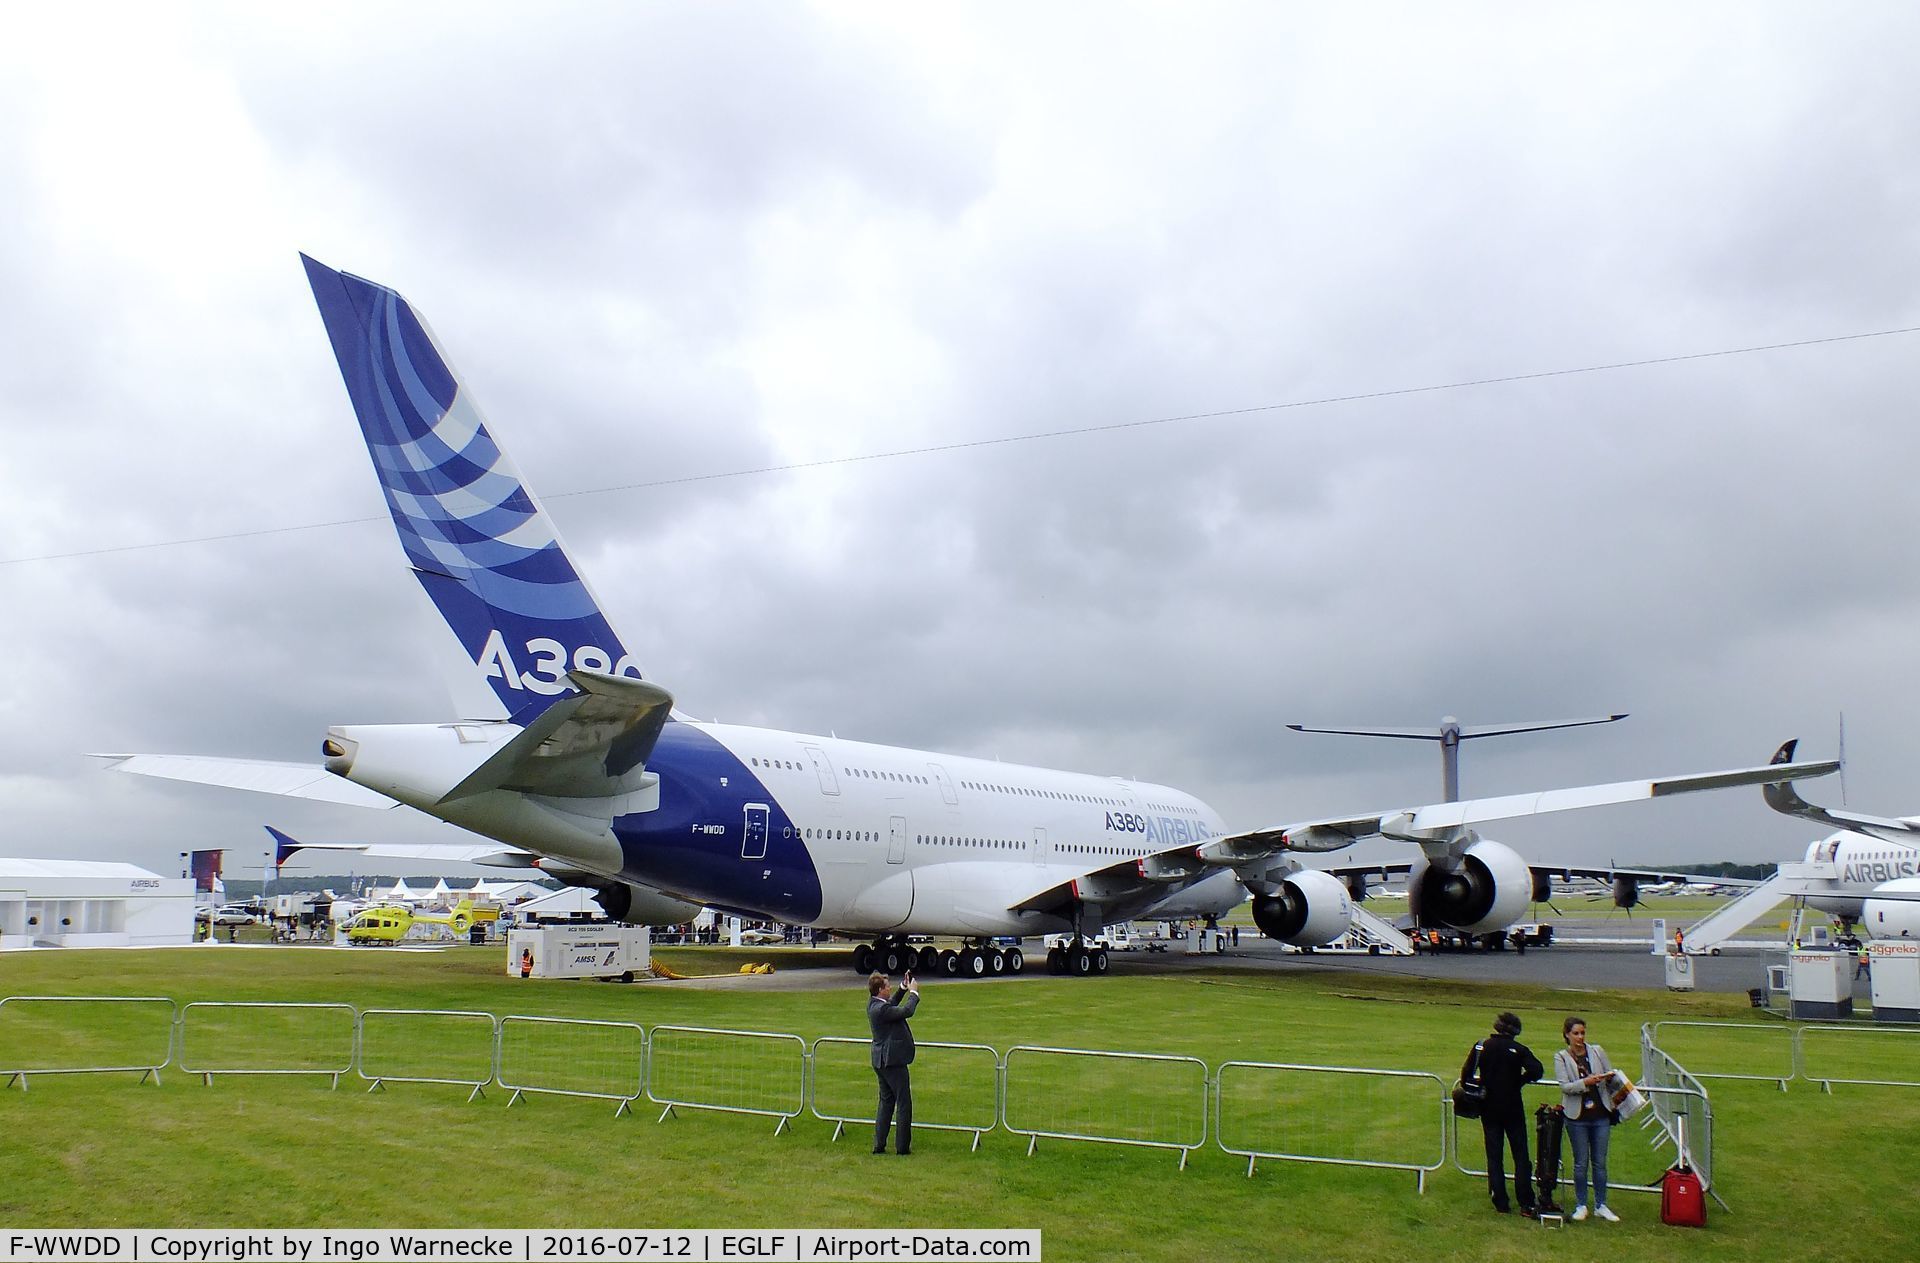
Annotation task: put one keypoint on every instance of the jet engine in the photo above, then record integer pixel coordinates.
(1486, 891)
(1310, 909)
(1897, 915)
(643, 905)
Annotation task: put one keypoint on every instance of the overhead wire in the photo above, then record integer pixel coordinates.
(1035, 436)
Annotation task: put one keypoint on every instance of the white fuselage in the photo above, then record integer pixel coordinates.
(827, 832)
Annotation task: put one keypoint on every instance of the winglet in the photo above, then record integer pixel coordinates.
(1781, 795)
(1785, 799)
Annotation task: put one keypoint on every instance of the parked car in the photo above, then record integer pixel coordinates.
(227, 914)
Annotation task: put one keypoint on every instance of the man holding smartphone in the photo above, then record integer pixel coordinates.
(892, 1054)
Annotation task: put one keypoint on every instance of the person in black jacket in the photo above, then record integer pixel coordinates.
(1505, 1066)
(892, 1054)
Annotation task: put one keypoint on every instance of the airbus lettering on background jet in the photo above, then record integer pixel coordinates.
(573, 763)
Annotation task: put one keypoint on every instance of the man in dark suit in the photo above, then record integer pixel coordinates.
(892, 1054)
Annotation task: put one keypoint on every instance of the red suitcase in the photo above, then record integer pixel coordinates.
(1683, 1199)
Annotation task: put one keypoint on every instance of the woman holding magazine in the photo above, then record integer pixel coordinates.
(1586, 1078)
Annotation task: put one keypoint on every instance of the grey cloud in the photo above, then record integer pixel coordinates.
(609, 216)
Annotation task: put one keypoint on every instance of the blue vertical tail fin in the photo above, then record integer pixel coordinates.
(479, 543)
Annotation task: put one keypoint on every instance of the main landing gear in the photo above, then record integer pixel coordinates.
(1077, 959)
(976, 958)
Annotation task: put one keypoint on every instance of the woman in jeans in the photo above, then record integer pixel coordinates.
(1586, 1089)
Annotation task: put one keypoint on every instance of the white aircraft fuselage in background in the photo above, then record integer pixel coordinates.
(1876, 883)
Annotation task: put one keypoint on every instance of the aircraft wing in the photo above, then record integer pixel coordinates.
(1370, 873)
(291, 780)
(491, 854)
(1784, 798)
(1126, 887)
(1437, 822)
(1253, 853)
(1637, 875)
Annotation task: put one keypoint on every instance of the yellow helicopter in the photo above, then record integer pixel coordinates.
(390, 923)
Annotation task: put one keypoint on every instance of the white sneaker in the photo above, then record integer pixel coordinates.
(1579, 1213)
(1601, 1212)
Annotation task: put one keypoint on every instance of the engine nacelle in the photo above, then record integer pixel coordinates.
(643, 905)
(1542, 886)
(1894, 917)
(1487, 891)
(1311, 909)
(1626, 892)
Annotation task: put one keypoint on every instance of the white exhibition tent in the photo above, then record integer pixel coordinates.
(91, 903)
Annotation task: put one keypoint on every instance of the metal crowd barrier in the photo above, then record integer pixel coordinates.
(1678, 1102)
(1827, 1034)
(1383, 1137)
(1255, 1109)
(941, 1100)
(699, 1074)
(274, 1025)
(63, 1055)
(1801, 1041)
(455, 1035)
(1119, 1101)
(1745, 1030)
(533, 1055)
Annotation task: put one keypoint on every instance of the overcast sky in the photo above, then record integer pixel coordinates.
(671, 241)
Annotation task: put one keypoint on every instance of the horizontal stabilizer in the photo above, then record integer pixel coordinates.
(593, 744)
(290, 780)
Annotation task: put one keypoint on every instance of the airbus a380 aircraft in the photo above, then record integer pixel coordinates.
(573, 763)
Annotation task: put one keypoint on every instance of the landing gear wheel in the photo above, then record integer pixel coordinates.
(1079, 961)
(1099, 955)
(1016, 960)
(996, 961)
(1056, 960)
(862, 958)
(929, 960)
(973, 963)
(950, 963)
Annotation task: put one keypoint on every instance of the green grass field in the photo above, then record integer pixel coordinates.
(1797, 1167)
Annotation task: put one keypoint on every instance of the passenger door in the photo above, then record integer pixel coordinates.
(753, 837)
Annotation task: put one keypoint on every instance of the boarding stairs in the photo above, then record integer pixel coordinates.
(1791, 881)
(1369, 933)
